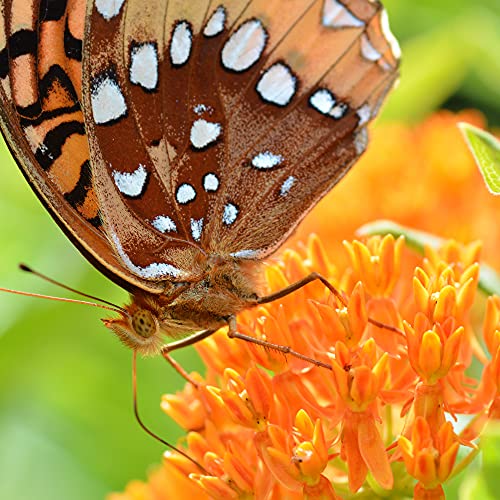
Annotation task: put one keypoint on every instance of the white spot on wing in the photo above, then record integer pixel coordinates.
(144, 66)
(277, 85)
(245, 46)
(245, 254)
(266, 160)
(199, 109)
(386, 30)
(364, 114)
(181, 43)
(336, 15)
(230, 214)
(203, 133)
(361, 141)
(109, 8)
(216, 22)
(185, 194)
(323, 101)
(210, 182)
(339, 111)
(131, 183)
(196, 228)
(107, 100)
(164, 224)
(368, 51)
(153, 271)
(287, 185)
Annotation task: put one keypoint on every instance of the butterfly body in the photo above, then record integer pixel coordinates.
(178, 144)
(226, 287)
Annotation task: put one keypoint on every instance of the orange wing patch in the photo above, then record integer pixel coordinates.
(43, 55)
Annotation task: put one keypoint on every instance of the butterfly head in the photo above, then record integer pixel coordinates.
(138, 328)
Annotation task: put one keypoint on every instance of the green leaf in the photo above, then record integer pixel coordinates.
(415, 239)
(486, 151)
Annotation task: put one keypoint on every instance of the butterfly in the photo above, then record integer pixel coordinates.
(178, 144)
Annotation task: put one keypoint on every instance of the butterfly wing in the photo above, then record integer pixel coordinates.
(214, 128)
(42, 121)
(126, 82)
(300, 122)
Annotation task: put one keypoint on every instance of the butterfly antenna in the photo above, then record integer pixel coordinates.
(63, 299)
(141, 423)
(28, 269)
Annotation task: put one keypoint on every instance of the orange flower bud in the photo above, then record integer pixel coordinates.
(377, 263)
(429, 458)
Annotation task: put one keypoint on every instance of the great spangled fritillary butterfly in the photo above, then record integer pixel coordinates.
(178, 143)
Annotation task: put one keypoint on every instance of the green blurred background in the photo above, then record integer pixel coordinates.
(66, 425)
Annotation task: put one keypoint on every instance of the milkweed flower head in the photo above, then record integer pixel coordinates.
(381, 416)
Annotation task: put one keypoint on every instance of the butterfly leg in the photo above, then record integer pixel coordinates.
(299, 284)
(309, 279)
(284, 349)
(167, 348)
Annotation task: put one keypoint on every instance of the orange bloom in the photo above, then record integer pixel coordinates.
(429, 458)
(376, 264)
(432, 352)
(359, 378)
(393, 354)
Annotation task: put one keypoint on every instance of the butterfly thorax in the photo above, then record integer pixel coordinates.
(224, 288)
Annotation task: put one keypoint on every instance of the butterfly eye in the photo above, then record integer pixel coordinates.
(143, 323)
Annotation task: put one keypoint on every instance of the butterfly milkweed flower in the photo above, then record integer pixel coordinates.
(383, 416)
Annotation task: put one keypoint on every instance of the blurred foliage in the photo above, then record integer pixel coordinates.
(450, 57)
(481, 480)
(66, 423)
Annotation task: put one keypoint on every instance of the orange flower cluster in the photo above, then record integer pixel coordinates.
(268, 426)
(399, 346)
